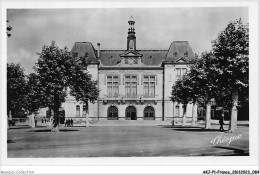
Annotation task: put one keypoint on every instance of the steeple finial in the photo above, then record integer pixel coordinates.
(131, 40)
(131, 19)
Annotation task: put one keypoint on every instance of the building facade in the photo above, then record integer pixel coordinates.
(134, 84)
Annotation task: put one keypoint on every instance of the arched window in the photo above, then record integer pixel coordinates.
(112, 113)
(130, 113)
(149, 113)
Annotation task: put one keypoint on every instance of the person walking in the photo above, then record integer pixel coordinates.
(71, 122)
(35, 121)
(68, 123)
(221, 122)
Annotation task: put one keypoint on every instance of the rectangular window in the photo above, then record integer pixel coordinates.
(152, 89)
(84, 110)
(131, 86)
(112, 86)
(146, 89)
(149, 86)
(77, 111)
(128, 89)
(177, 111)
(180, 72)
(109, 89)
(134, 89)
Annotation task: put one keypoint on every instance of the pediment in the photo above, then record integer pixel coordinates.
(131, 54)
(181, 60)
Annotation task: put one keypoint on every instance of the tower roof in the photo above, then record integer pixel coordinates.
(131, 19)
(179, 50)
(84, 49)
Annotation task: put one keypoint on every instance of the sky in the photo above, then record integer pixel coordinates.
(155, 28)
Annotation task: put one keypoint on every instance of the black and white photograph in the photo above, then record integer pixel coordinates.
(129, 83)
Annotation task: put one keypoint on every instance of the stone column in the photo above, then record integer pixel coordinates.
(194, 113)
(31, 121)
(87, 115)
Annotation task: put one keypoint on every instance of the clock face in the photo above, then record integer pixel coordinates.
(131, 61)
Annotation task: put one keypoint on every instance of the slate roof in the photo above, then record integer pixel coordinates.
(149, 58)
(153, 57)
(82, 48)
(110, 57)
(179, 50)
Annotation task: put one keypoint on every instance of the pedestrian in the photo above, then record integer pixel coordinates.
(42, 120)
(71, 123)
(35, 121)
(221, 122)
(68, 122)
(45, 120)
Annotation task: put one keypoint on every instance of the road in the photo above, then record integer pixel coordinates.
(125, 141)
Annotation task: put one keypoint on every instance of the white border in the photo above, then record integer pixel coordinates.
(253, 159)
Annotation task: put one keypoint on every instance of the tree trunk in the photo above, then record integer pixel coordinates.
(51, 117)
(9, 117)
(208, 116)
(55, 126)
(87, 115)
(233, 119)
(174, 103)
(184, 115)
(194, 112)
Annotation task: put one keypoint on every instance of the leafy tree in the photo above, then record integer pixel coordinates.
(182, 93)
(200, 82)
(53, 68)
(205, 84)
(57, 70)
(83, 88)
(231, 53)
(196, 75)
(35, 98)
(16, 90)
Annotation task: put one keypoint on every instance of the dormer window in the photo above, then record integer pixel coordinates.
(186, 54)
(86, 54)
(175, 54)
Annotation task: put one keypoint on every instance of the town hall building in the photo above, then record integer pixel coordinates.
(134, 84)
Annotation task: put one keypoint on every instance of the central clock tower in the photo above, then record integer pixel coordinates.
(131, 39)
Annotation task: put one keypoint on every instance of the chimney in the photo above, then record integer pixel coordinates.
(98, 50)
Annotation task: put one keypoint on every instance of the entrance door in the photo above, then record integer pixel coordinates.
(130, 113)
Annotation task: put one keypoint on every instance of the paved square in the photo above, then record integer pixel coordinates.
(125, 141)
